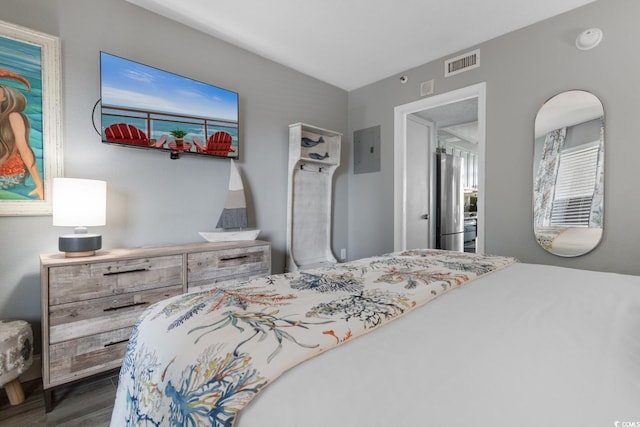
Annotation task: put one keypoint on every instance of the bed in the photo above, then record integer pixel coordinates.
(456, 340)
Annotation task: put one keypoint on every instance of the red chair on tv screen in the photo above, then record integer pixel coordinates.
(219, 144)
(125, 133)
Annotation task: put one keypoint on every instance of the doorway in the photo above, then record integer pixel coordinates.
(405, 164)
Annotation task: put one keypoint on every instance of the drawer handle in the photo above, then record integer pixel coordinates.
(117, 342)
(137, 270)
(231, 258)
(135, 304)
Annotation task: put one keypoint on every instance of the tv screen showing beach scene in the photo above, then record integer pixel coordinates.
(146, 107)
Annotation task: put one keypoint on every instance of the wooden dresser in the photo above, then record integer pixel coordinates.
(90, 304)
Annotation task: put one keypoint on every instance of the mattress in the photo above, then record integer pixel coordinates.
(518, 344)
(529, 345)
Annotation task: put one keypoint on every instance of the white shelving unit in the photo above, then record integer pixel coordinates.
(314, 156)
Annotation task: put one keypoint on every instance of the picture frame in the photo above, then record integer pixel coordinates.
(30, 67)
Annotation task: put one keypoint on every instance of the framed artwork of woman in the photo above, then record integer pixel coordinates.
(30, 120)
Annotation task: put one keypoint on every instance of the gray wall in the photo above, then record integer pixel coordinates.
(152, 199)
(522, 70)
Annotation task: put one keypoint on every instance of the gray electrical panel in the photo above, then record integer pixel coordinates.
(366, 150)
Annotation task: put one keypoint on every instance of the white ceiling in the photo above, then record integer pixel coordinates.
(455, 122)
(351, 43)
(455, 113)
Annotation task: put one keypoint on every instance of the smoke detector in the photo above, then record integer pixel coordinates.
(588, 39)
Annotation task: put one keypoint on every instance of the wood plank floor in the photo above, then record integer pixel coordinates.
(86, 403)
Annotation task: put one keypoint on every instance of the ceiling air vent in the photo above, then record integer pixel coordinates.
(464, 62)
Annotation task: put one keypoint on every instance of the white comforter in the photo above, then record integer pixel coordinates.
(528, 345)
(199, 358)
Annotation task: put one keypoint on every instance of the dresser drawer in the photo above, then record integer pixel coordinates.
(84, 356)
(83, 318)
(80, 282)
(206, 268)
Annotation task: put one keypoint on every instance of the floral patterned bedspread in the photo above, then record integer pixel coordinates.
(199, 358)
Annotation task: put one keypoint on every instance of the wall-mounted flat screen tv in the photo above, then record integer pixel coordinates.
(146, 107)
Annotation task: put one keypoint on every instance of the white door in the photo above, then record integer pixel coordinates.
(418, 216)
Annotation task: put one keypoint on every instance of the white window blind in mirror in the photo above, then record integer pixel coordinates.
(575, 184)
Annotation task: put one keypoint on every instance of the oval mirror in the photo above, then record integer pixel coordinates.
(568, 173)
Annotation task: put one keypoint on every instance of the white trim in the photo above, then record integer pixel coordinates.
(401, 112)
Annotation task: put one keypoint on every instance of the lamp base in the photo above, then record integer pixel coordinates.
(79, 245)
(79, 254)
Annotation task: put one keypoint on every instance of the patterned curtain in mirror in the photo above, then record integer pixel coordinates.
(597, 206)
(544, 185)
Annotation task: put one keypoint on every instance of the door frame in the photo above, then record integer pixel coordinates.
(401, 113)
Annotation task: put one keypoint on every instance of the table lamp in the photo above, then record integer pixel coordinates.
(79, 203)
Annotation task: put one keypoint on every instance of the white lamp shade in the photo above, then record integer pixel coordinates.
(79, 202)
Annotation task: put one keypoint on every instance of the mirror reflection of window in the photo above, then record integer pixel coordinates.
(569, 174)
(575, 186)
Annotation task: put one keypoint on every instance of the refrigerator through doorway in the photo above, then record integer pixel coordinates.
(449, 203)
